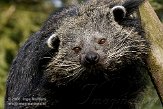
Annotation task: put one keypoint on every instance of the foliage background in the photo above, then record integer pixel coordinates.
(20, 18)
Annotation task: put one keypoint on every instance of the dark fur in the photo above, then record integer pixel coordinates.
(29, 73)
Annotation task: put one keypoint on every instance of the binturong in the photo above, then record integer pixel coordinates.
(92, 53)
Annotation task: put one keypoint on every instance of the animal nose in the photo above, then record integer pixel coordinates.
(91, 58)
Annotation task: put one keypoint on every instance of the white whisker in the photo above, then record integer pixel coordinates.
(123, 40)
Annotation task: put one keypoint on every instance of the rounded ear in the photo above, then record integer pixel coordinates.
(119, 12)
(53, 41)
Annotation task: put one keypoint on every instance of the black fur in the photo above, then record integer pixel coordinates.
(26, 79)
(132, 5)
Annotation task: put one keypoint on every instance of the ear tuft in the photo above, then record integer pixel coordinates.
(119, 12)
(132, 5)
(53, 41)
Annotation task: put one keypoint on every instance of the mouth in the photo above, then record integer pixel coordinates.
(97, 66)
(91, 72)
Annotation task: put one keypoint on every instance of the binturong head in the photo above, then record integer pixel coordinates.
(101, 35)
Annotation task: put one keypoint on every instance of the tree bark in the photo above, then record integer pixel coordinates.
(154, 33)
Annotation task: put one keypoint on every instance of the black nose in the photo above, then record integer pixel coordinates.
(91, 58)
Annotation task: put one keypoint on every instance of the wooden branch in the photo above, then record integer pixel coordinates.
(154, 32)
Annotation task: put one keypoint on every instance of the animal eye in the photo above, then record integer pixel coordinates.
(76, 49)
(102, 41)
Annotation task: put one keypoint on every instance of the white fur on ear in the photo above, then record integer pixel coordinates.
(118, 7)
(50, 40)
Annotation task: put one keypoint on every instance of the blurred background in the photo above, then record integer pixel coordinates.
(20, 18)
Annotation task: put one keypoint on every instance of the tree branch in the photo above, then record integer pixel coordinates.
(154, 32)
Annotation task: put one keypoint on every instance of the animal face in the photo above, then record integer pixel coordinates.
(97, 38)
